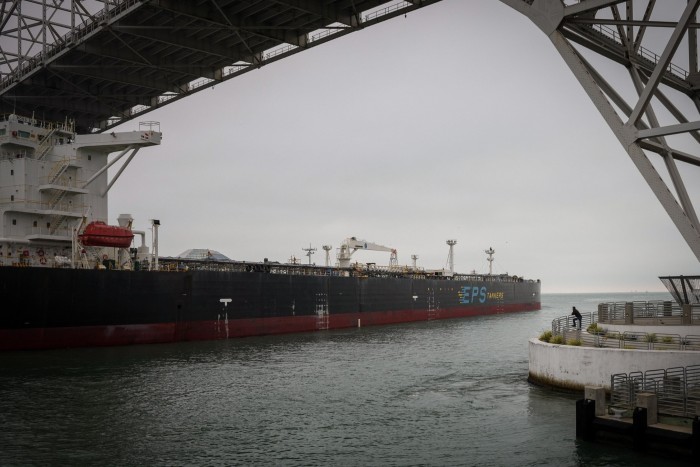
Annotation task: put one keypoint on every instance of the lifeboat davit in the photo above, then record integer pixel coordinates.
(98, 233)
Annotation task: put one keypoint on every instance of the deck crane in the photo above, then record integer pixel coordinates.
(351, 245)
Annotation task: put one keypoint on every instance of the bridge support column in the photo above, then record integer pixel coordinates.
(687, 314)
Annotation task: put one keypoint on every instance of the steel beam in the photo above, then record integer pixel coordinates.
(584, 24)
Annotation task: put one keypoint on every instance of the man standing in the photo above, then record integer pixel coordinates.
(577, 316)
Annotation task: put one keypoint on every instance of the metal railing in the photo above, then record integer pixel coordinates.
(588, 336)
(75, 35)
(565, 323)
(677, 389)
(643, 53)
(661, 312)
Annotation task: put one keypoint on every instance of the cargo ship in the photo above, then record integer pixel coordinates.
(69, 279)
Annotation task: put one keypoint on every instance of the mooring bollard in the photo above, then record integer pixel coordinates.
(597, 394)
(648, 401)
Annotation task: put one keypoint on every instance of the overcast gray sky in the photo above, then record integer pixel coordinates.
(459, 121)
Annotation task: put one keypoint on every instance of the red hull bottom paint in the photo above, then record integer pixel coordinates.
(113, 335)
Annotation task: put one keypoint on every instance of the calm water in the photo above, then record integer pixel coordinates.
(448, 392)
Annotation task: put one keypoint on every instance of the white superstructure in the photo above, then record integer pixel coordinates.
(51, 180)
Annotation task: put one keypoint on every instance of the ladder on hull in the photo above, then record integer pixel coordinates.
(322, 316)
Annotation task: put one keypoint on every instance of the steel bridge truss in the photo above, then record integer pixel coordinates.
(103, 62)
(653, 114)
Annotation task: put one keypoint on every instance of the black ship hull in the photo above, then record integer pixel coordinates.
(53, 308)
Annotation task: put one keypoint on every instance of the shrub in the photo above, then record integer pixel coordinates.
(595, 329)
(576, 342)
(667, 340)
(650, 337)
(546, 336)
(557, 340)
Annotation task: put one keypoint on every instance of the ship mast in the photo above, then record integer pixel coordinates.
(309, 251)
(155, 224)
(327, 249)
(490, 252)
(451, 256)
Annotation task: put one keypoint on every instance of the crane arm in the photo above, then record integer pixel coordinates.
(354, 245)
(351, 245)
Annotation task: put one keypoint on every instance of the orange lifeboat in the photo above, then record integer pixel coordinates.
(100, 234)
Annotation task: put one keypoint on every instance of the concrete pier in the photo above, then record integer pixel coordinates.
(642, 432)
(574, 367)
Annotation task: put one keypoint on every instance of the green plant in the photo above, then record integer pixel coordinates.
(667, 339)
(576, 342)
(557, 340)
(595, 329)
(546, 336)
(650, 337)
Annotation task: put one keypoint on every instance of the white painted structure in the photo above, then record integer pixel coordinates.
(574, 367)
(51, 181)
(351, 245)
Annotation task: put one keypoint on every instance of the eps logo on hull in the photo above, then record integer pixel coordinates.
(469, 295)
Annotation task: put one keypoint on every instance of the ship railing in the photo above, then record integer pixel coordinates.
(62, 181)
(75, 208)
(13, 155)
(49, 125)
(677, 389)
(312, 270)
(41, 229)
(63, 231)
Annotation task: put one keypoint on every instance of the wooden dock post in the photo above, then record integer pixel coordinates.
(585, 415)
(639, 428)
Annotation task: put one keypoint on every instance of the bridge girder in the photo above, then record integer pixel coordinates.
(106, 62)
(617, 30)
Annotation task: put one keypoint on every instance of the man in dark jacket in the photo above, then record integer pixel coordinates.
(577, 316)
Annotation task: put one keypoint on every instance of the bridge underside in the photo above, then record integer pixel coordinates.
(103, 63)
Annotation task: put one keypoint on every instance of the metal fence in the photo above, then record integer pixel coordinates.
(677, 389)
(662, 312)
(566, 323)
(599, 337)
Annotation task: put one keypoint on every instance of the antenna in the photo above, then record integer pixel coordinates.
(414, 258)
(309, 251)
(451, 255)
(327, 249)
(490, 252)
